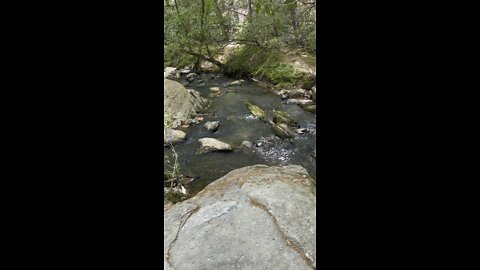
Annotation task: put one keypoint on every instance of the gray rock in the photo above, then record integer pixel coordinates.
(314, 93)
(174, 136)
(253, 218)
(214, 89)
(236, 83)
(170, 72)
(282, 130)
(212, 125)
(180, 104)
(191, 76)
(185, 71)
(298, 93)
(211, 145)
(247, 144)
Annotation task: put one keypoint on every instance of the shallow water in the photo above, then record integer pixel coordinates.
(237, 125)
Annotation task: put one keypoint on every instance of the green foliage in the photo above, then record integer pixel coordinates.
(282, 75)
(201, 26)
(196, 26)
(172, 197)
(254, 61)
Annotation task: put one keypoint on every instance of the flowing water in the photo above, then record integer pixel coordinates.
(237, 125)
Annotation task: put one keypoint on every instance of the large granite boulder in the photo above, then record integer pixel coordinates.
(256, 217)
(180, 104)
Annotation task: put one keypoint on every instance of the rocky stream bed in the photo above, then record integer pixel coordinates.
(253, 140)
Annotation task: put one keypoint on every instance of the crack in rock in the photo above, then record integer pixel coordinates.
(182, 223)
(290, 242)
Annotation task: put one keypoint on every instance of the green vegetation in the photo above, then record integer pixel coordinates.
(197, 31)
(264, 64)
(171, 164)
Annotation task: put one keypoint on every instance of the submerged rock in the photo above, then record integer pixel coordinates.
(256, 217)
(282, 130)
(280, 117)
(247, 144)
(212, 125)
(255, 110)
(211, 145)
(236, 83)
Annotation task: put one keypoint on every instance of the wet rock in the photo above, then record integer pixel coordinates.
(198, 119)
(212, 125)
(247, 144)
(255, 217)
(282, 93)
(255, 110)
(185, 71)
(191, 76)
(214, 89)
(211, 145)
(280, 117)
(174, 136)
(236, 83)
(282, 130)
(215, 92)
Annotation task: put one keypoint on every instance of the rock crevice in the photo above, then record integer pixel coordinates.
(256, 217)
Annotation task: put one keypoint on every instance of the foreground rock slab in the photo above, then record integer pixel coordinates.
(257, 217)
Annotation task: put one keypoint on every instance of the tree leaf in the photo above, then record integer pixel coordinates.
(267, 9)
(258, 6)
